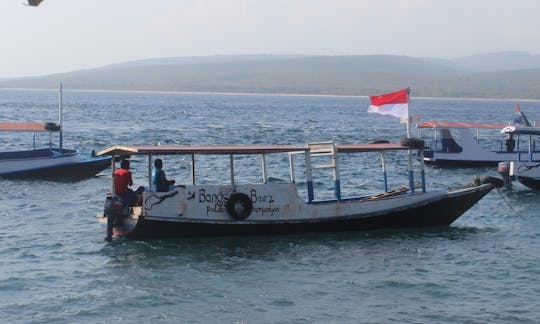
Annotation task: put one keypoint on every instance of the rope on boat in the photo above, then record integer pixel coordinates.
(508, 204)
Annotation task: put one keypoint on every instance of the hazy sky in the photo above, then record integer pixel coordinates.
(66, 35)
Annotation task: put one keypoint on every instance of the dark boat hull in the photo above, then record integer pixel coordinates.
(441, 212)
(532, 183)
(73, 171)
(461, 163)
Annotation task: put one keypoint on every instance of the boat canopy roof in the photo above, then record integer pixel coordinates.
(23, 126)
(435, 124)
(240, 149)
(521, 130)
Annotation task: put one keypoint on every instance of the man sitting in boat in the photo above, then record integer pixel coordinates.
(122, 182)
(510, 143)
(159, 180)
(449, 145)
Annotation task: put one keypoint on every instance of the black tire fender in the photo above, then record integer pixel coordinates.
(52, 127)
(379, 141)
(239, 206)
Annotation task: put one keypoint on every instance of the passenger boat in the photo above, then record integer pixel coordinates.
(461, 144)
(525, 166)
(269, 207)
(454, 144)
(49, 162)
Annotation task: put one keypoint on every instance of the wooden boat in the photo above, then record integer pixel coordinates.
(55, 163)
(454, 144)
(233, 208)
(525, 166)
(49, 162)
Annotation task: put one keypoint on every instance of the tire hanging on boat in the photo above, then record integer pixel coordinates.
(52, 127)
(239, 206)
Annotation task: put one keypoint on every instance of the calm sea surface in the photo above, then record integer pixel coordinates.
(56, 267)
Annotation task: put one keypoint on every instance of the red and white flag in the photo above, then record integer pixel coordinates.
(521, 119)
(394, 103)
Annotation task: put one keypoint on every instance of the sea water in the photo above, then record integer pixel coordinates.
(56, 267)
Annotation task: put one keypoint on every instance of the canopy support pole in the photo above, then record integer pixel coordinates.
(231, 158)
(309, 176)
(150, 172)
(385, 178)
(411, 172)
(193, 168)
(264, 168)
(422, 170)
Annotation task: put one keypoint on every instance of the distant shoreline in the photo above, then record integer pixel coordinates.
(263, 94)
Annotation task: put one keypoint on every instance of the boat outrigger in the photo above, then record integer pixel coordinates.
(200, 209)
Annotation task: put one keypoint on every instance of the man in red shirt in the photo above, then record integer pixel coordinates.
(122, 182)
(122, 179)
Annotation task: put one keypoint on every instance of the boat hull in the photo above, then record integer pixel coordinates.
(527, 173)
(463, 160)
(439, 211)
(41, 164)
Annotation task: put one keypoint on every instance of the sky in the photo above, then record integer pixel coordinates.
(69, 35)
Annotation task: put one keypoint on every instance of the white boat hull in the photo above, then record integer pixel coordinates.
(277, 208)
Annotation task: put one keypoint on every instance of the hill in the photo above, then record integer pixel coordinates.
(337, 75)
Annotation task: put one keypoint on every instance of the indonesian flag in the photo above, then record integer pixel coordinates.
(521, 119)
(395, 104)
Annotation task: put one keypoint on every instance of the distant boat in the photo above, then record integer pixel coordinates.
(49, 162)
(463, 144)
(525, 167)
(454, 144)
(202, 209)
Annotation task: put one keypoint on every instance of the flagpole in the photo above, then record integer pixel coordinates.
(411, 172)
(408, 113)
(60, 107)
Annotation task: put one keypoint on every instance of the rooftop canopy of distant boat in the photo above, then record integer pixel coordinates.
(233, 207)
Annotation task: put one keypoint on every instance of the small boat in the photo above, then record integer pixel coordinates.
(49, 162)
(525, 166)
(55, 163)
(270, 207)
(454, 144)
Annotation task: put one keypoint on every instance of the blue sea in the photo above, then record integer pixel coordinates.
(55, 266)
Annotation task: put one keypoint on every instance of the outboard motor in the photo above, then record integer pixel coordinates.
(113, 212)
(504, 169)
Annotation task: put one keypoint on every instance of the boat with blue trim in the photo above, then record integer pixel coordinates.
(473, 144)
(202, 208)
(50, 162)
(463, 144)
(525, 165)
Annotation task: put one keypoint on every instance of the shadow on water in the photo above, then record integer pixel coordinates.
(238, 252)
